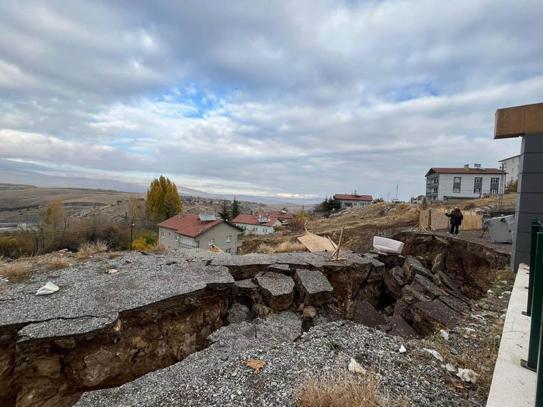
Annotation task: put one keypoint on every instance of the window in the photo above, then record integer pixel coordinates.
(228, 238)
(456, 184)
(494, 185)
(211, 241)
(477, 185)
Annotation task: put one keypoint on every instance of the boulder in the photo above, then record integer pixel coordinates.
(456, 304)
(277, 290)
(394, 280)
(238, 313)
(391, 260)
(313, 287)
(413, 266)
(429, 315)
(426, 287)
(400, 327)
(365, 313)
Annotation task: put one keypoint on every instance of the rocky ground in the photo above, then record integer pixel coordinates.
(191, 321)
(219, 375)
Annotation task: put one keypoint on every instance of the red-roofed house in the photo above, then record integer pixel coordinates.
(353, 201)
(198, 231)
(467, 182)
(259, 224)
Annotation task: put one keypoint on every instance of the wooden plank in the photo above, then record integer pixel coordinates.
(316, 243)
(519, 121)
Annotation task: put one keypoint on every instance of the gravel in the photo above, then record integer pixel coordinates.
(219, 376)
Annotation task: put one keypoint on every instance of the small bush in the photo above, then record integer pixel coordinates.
(343, 390)
(16, 271)
(87, 249)
(146, 240)
(56, 263)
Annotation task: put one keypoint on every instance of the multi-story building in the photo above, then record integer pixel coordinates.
(444, 184)
(511, 167)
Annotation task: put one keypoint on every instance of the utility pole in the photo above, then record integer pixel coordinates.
(501, 188)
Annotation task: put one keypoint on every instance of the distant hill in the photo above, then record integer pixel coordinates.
(30, 174)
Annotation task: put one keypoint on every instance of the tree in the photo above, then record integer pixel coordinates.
(55, 216)
(299, 221)
(511, 187)
(224, 214)
(163, 199)
(235, 208)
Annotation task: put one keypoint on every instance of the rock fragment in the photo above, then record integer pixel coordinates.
(277, 290)
(314, 287)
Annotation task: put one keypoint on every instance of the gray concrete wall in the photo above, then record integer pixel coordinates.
(530, 197)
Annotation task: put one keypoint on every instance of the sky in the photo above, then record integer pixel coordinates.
(290, 99)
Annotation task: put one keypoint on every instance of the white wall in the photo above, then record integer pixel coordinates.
(445, 190)
(353, 204)
(172, 240)
(255, 229)
(511, 167)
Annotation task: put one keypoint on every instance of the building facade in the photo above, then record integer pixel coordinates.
(444, 184)
(259, 224)
(352, 201)
(191, 232)
(511, 166)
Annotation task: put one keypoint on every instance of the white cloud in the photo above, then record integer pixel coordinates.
(291, 97)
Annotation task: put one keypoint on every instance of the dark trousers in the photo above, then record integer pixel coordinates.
(454, 229)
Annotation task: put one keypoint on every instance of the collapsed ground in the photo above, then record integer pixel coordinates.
(92, 334)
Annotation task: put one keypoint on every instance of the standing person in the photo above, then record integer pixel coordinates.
(456, 220)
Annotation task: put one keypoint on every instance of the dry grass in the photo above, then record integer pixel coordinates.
(509, 202)
(380, 214)
(88, 249)
(15, 271)
(344, 389)
(283, 247)
(55, 263)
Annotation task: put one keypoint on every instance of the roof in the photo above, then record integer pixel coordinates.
(463, 170)
(247, 219)
(508, 158)
(190, 225)
(347, 197)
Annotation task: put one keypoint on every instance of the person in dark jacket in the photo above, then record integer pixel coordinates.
(456, 220)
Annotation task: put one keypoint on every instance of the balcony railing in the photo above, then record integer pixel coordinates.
(535, 308)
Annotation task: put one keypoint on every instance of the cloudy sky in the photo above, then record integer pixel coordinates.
(279, 98)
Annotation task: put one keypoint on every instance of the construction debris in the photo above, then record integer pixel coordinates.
(256, 364)
(384, 245)
(355, 367)
(316, 243)
(48, 288)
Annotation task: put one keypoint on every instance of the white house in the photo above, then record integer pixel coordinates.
(198, 231)
(259, 224)
(511, 167)
(353, 201)
(443, 184)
